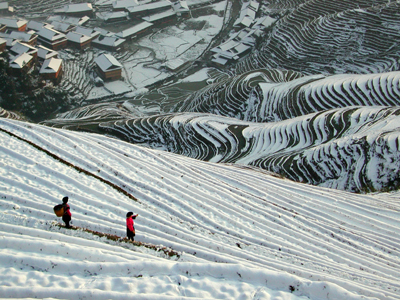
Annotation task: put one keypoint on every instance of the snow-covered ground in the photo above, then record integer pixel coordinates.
(239, 233)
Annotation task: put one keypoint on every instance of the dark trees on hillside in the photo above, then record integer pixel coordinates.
(22, 94)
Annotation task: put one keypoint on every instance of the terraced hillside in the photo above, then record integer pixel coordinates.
(9, 115)
(258, 96)
(355, 149)
(331, 37)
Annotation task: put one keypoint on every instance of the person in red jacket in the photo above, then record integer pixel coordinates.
(130, 229)
(67, 214)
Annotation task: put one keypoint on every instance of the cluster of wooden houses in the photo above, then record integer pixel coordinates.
(247, 29)
(32, 42)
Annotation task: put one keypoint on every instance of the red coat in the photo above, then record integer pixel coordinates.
(66, 210)
(129, 224)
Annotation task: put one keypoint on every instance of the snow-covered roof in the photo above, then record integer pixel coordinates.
(246, 17)
(79, 7)
(160, 16)
(220, 60)
(268, 21)
(180, 6)
(254, 5)
(50, 34)
(123, 4)
(87, 31)
(106, 16)
(246, 36)
(63, 27)
(235, 52)
(245, 21)
(69, 20)
(104, 32)
(35, 25)
(51, 65)
(12, 22)
(149, 6)
(225, 46)
(77, 37)
(2, 41)
(10, 42)
(107, 62)
(134, 29)
(20, 48)
(46, 53)
(111, 41)
(104, 2)
(23, 36)
(20, 61)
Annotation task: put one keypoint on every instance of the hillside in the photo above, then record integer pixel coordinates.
(336, 131)
(240, 233)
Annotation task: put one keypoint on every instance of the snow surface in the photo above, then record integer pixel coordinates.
(240, 233)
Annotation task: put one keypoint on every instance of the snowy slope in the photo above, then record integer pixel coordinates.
(240, 232)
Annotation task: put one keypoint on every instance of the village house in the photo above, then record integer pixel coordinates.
(135, 31)
(14, 24)
(51, 69)
(21, 64)
(104, 4)
(254, 5)
(110, 43)
(264, 22)
(46, 53)
(29, 37)
(36, 26)
(111, 17)
(9, 41)
(161, 18)
(246, 36)
(62, 27)
(52, 38)
(5, 9)
(149, 8)
(3, 28)
(20, 48)
(3, 44)
(181, 8)
(229, 51)
(76, 21)
(108, 67)
(78, 10)
(104, 32)
(246, 18)
(78, 40)
(92, 33)
(123, 5)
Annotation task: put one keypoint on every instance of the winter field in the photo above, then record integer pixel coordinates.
(220, 231)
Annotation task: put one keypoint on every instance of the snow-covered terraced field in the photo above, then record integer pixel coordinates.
(8, 114)
(240, 232)
(354, 149)
(272, 95)
(331, 37)
(234, 96)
